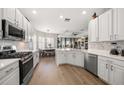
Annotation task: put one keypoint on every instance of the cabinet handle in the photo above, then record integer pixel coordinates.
(106, 66)
(9, 70)
(111, 67)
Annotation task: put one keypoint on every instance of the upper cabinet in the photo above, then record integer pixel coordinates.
(25, 27)
(105, 26)
(13, 15)
(93, 30)
(19, 19)
(110, 26)
(118, 24)
(9, 14)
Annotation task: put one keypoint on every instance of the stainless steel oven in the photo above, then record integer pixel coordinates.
(26, 69)
(11, 31)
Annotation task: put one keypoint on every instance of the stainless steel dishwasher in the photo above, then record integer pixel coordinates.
(91, 63)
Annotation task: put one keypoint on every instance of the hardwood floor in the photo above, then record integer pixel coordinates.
(48, 73)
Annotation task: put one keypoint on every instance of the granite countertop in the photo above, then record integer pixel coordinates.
(6, 62)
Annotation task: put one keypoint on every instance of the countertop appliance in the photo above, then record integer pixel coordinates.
(25, 63)
(11, 31)
(114, 49)
(90, 63)
(114, 52)
(122, 52)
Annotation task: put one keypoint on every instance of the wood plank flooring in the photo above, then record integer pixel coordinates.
(48, 73)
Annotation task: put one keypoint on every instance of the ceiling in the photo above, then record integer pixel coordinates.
(48, 19)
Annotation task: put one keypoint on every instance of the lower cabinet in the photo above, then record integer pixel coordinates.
(70, 57)
(111, 71)
(35, 58)
(10, 74)
(116, 74)
(103, 69)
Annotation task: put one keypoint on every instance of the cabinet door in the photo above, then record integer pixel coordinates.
(61, 58)
(12, 78)
(116, 74)
(9, 14)
(93, 30)
(105, 26)
(25, 27)
(118, 24)
(103, 69)
(89, 31)
(29, 30)
(71, 58)
(19, 18)
(0, 23)
(79, 59)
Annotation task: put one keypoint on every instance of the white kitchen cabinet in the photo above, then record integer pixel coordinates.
(70, 57)
(103, 69)
(105, 26)
(60, 57)
(78, 59)
(10, 74)
(35, 58)
(13, 78)
(29, 30)
(93, 30)
(25, 27)
(116, 74)
(111, 70)
(118, 22)
(19, 19)
(9, 14)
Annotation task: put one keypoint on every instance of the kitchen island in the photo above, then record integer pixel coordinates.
(70, 56)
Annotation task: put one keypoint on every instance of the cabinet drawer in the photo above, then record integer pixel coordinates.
(117, 62)
(11, 79)
(7, 70)
(112, 61)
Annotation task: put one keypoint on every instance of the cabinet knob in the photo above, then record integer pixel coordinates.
(111, 67)
(106, 66)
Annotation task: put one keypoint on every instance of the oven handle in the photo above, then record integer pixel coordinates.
(27, 60)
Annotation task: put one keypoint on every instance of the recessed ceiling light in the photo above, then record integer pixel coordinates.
(61, 16)
(34, 12)
(84, 12)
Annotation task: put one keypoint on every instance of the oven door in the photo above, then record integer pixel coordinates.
(26, 68)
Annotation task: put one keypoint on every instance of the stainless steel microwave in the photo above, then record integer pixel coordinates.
(11, 31)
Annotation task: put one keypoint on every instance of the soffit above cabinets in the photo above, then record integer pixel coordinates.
(58, 20)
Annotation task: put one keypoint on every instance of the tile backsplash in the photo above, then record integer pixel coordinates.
(19, 44)
(105, 45)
